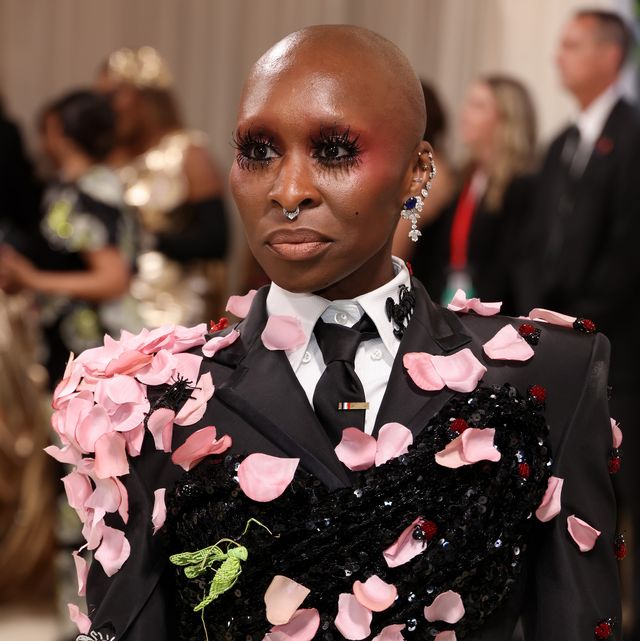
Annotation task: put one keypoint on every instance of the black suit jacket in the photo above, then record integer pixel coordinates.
(259, 402)
(580, 241)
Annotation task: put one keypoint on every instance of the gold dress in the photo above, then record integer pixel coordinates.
(168, 290)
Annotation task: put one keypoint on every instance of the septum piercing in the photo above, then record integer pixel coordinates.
(291, 214)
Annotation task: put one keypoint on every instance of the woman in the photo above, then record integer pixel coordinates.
(368, 464)
(172, 183)
(82, 265)
(468, 246)
(443, 188)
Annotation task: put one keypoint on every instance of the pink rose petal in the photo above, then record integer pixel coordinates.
(193, 410)
(616, 433)
(405, 547)
(104, 499)
(219, 342)
(555, 318)
(302, 627)
(283, 332)
(159, 513)
(357, 450)
(264, 478)
(92, 532)
(188, 366)
(391, 633)
(375, 594)
(67, 454)
(93, 426)
(419, 366)
(447, 635)
(111, 456)
(198, 446)
(460, 371)
(186, 338)
(582, 533)
(134, 439)
(353, 619)
(113, 551)
(508, 345)
(471, 446)
(120, 390)
(81, 620)
(460, 303)
(283, 598)
(393, 441)
(240, 305)
(446, 607)
(550, 506)
(128, 363)
(123, 508)
(160, 424)
(160, 370)
(82, 569)
(78, 489)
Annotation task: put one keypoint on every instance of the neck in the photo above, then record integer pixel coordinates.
(587, 95)
(370, 276)
(75, 166)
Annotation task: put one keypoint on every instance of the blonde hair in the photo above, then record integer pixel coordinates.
(515, 136)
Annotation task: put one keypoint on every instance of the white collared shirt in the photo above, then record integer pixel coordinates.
(591, 122)
(374, 358)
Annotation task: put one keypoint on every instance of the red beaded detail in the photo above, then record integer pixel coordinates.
(458, 425)
(524, 470)
(538, 394)
(530, 333)
(614, 461)
(603, 630)
(429, 528)
(223, 323)
(585, 325)
(620, 547)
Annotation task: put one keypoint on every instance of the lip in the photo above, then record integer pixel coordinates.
(297, 244)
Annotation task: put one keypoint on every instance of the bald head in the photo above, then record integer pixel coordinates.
(364, 61)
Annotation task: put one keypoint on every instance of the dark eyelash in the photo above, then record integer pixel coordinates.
(243, 142)
(341, 138)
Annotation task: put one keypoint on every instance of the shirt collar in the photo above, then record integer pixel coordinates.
(591, 120)
(308, 308)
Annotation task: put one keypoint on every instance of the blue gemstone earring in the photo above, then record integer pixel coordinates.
(414, 205)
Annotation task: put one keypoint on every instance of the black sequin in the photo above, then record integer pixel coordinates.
(327, 540)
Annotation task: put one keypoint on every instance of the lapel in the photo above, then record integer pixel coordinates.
(432, 329)
(264, 391)
(604, 145)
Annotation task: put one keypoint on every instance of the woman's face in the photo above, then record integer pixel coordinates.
(321, 140)
(479, 118)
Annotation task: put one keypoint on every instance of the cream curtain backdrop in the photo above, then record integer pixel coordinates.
(49, 46)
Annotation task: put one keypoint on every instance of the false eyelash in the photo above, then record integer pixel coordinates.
(243, 142)
(343, 139)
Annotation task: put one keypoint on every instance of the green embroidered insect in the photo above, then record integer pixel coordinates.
(225, 576)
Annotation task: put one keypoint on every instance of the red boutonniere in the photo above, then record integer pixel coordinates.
(604, 146)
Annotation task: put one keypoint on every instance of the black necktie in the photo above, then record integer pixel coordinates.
(339, 384)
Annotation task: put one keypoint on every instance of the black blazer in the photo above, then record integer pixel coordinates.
(579, 247)
(258, 401)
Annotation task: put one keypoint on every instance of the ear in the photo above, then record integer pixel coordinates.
(421, 171)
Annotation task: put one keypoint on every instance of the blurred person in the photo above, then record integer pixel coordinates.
(442, 190)
(172, 182)
(581, 246)
(82, 261)
(467, 246)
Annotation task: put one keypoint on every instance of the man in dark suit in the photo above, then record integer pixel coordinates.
(582, 233)
(320, 212)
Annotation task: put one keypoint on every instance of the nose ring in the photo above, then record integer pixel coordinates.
(291, 214)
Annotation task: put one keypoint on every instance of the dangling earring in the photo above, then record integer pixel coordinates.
(414, 205)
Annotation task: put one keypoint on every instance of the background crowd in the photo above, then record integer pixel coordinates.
(113, 214)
